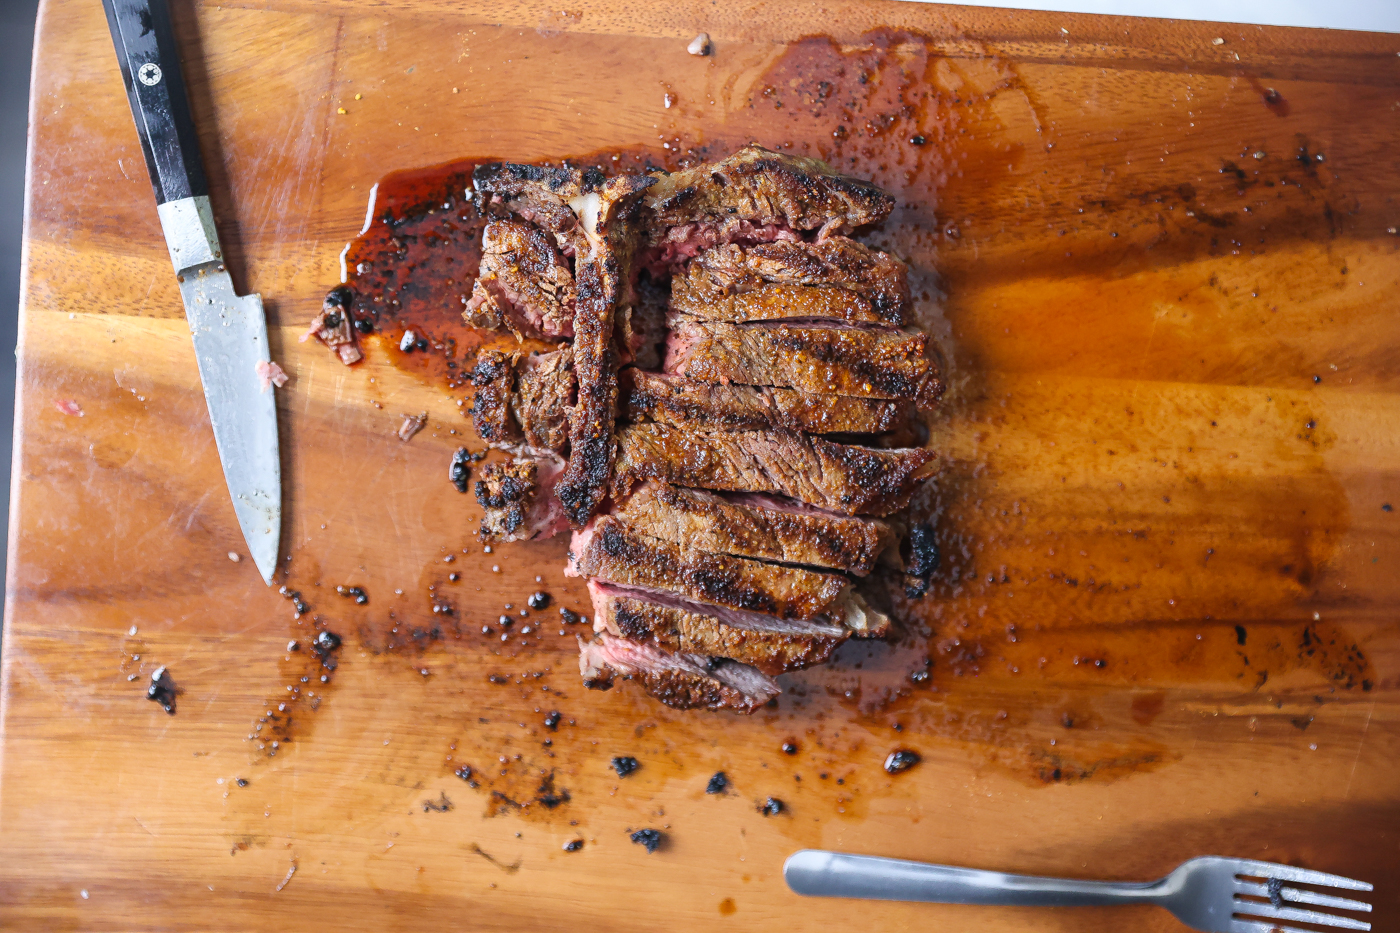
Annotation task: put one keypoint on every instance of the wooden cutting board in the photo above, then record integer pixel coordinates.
(1160, 260)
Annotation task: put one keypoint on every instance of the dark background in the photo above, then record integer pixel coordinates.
(16, 53)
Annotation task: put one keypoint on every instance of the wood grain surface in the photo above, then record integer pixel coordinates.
(1160, 260)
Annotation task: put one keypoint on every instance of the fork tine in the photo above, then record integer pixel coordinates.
(1263, 926)
(1255, 869)
(1299, 896)
(1303, 916)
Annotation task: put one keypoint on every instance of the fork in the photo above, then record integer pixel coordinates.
(1211, 893)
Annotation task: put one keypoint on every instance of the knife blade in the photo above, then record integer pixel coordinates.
(229, 331)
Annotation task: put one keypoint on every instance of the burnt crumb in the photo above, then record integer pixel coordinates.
(719, 783)
(460, 472)
(1275, 888)
(573, 845)
(917, 140)
(1385, 507)
(901, 760)
(353, 592)
(297, 603)
(789, 748)
(568, 616)
(241, 782)
(624, 765)
(551, 722)
(1240, 634)
(771, 807)
(538, 600)
(325, 646)
(364, 325)
(651, 838)
(465, 773)
(441, 805)
(548, 797)
(162, 690)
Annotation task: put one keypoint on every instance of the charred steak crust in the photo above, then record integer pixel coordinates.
(762, 186)
(494, 379)
(710, 522)
(537, 193)
(505, 491)
(545, 386)
(836, 278)
(523, 283)
(807, 356)
(602, 282)
(682, 681)
(648, 396)
(616, 553)
(845, 478)
(681, 626)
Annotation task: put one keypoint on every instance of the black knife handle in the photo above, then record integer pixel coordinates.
(150, 66)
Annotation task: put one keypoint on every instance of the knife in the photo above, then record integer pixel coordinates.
(230, 332)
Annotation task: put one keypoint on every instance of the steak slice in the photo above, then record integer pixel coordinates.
(811, 357)
(837, 278)
(681, 681)
(543, 398)
(757, 527)
(518, 499)
(675, 624)
(524, 283)
(755, 188)
(844, 478)
(604, 262)
(612, 551)
(523, 401)
(494, 379)
(675, 400)
(539, 194)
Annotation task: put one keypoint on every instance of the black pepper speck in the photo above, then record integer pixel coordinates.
(901, 760)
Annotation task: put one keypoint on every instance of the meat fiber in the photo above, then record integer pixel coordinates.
(518, 499)
(676, 400)
(683, 681)
(524, 283)
(813, 357)
(837, 278)
(755, 526)
(673, 623)
(844, 478)
(612, 551)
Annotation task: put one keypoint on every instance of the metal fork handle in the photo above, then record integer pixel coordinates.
(817, 873)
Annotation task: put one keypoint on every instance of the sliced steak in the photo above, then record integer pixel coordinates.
(759, 527)
(494, 379)
(603, 273)
(640, 331)
(755, 195)
(539, 194)
(836, 278)
(676, 400)
(543, 398)
(844, 478)
(676, 624)
(518, 499)
(524, 283)
(868, 362)
(612, 551)
(682, 681)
